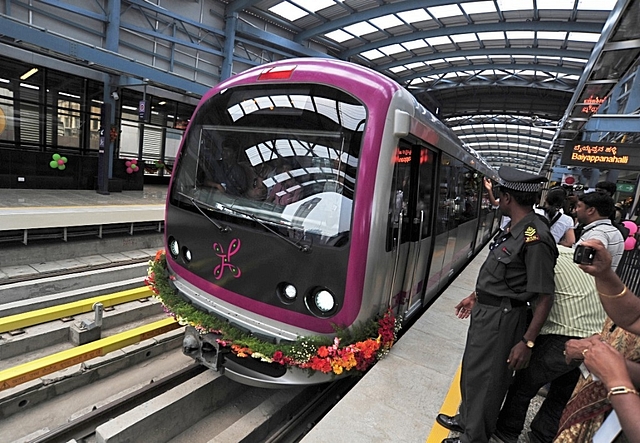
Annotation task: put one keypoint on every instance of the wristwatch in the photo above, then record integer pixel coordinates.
(529, 343)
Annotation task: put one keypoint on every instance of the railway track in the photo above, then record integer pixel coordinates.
(145, 388)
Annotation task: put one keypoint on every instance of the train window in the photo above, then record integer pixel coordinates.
(411, 194)
(398, 216)
(284, 155)
(459, 192)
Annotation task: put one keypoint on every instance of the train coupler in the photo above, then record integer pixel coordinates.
(205, 349)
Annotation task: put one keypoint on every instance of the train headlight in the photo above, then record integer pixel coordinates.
(174, 248)
(321, 302)
(287, 293)
(186, 253)
(290, 292)
(324, 300)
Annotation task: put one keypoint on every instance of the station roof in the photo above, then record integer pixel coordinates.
(505, 75)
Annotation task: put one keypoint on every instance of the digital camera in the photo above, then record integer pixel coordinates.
(583, 255)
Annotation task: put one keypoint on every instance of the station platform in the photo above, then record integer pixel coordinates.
(399, 398)
(47, 208)
(36, 226)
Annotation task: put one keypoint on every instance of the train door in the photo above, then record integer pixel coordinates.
(411, 203)
(456, 220)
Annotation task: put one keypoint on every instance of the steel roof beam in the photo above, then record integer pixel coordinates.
(392, 8)
(613, 123)
(85, 54)
(536, 52)
(559, 26)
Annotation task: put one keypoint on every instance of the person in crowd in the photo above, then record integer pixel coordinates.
(608, 187)
(613, 357)
(593, 211)
(616, 216)
(560, 224)
(576, 313)
(518, 269)
(504, 221)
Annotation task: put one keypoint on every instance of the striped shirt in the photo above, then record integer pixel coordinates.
(610, 237)
(576, 309)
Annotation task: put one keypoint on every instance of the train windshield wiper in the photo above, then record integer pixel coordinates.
(199, 205)
(298, 246)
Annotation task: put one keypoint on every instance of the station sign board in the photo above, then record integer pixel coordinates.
(602, 155)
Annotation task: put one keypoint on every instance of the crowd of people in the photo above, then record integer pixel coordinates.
(549, 312)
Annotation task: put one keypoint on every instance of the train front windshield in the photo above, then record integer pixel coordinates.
(280, 156)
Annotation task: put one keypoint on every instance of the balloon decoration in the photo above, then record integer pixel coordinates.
(58, 162)
(631, 226)
(132, 166)
(630, 242)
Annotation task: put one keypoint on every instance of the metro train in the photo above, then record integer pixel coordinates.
(311, 195)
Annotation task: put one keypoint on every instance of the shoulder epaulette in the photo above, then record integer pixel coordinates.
(531, 234)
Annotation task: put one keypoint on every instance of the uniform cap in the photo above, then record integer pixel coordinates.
(517, 180)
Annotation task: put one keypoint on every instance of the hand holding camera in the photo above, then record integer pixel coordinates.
(583, 255)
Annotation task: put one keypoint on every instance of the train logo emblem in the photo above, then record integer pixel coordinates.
(225, 258)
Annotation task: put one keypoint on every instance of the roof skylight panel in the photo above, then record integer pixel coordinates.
(495, 35)
(386, 21)
(415, 65)
(522, 35)
(415, 44)
(597, 5)
(339, 36)
(392, 49)
(437, 61)
(445, 11)
(360, 29)
(584, 36)
(551, 35)
(478, 7)
(372, 55)
(575, 60)
(463, 38)
(515, 5)
(289, 11)
(548, 59)
(435, 41)
(314, 5)
(397, 69)
(555, 4)
(415, 15)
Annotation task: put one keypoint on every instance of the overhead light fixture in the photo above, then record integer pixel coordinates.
(162, 103)
(28, 74)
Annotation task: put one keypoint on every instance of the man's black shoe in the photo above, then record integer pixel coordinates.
(451, 440)
(449, 422)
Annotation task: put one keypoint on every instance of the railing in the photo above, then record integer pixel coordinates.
(629, 270)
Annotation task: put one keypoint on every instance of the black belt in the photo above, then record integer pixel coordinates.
(492, 300)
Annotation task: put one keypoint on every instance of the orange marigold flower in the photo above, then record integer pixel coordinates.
(323, 351)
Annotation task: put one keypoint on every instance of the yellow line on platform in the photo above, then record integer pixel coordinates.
(56, 362)
(449, 407)
(44, 315)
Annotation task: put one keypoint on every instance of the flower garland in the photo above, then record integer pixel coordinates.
(354, 351)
